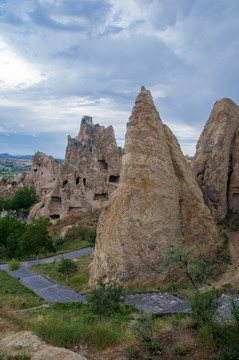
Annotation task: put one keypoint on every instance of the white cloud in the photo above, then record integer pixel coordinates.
(16, 71)
(183, 131)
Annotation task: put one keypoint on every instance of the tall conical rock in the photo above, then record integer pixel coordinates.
(216, 161)
(158, 203)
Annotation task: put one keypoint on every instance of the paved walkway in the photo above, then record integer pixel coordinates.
(156, 302)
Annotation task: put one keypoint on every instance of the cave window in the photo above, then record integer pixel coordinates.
(56, 202)
(103, 164)
(84, 181)
(35, 170)
(77, 180)
(54, 217)
(103, 196)
(114, 179)
(65, 182)
(90, 149)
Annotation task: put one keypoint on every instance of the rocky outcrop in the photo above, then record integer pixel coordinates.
(45, 172)
(158, 203)
(27, 342)
(216, 161)
(89, 174)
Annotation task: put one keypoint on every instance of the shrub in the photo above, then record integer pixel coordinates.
(59, 241)
(235, 312)
(14, 265)
(106, 298)
(145, 328)
(204, 306)
(181, 348)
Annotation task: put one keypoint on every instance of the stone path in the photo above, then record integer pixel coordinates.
(155, 302)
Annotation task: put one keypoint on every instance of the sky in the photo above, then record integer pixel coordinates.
(63, 59)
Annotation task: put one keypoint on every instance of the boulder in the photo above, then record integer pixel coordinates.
(216, 161)
(28, 343)
(157, 204)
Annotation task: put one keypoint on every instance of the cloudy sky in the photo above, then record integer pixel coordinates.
(63, 59)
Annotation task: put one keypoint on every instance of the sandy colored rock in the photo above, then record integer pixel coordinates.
(216, 161)
(26, 341)
(158, 203)
(89, 174)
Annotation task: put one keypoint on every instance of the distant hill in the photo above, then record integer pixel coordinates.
(24, 157)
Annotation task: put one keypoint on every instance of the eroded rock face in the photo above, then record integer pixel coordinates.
(89, 174)
(158, 203)
(216, 161)
(44, 173)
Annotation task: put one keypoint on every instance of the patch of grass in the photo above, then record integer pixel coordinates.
(181, 348)
(21, 356)
(15, 296)
(77, 281)
(72, 324)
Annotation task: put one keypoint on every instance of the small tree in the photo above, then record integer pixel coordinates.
(24, 198)
(36, 238)
(197, 271)
(106, 298)
(66, 267)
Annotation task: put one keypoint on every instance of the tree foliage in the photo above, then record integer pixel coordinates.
(196, 270)
(36, 238)
(66, 267)
(24, 198)
(105, 299)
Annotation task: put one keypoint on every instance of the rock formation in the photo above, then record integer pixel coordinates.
(158, 203)
(44, 173)
(27, 342)
(89, 174)
(216, 162)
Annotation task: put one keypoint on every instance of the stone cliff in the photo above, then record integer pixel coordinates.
(157, 203)
(216, 161)
(89, 174)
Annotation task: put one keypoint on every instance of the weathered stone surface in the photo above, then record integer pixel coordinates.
(45, 171)
(216, 161)
(157, 204)
(27, 342)
(89, 174)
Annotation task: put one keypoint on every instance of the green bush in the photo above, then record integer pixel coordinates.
(145, 329)
(106, 298)
(204, 306)
(14, 265)
(59, 241)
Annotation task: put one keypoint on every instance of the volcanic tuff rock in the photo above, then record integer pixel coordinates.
(216, 161)
(158, 203)
(90, 172)
(45, 171)
(27, 342)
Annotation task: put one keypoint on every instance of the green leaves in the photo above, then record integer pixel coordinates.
(66, 267)
(106, 298)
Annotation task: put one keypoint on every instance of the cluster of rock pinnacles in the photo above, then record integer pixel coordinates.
(155, 198)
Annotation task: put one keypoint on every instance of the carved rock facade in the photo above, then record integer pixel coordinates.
(89, 174)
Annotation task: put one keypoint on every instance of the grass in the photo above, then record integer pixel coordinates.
(14, 296)
(77, 281)
(73, 324)
(20, 356)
